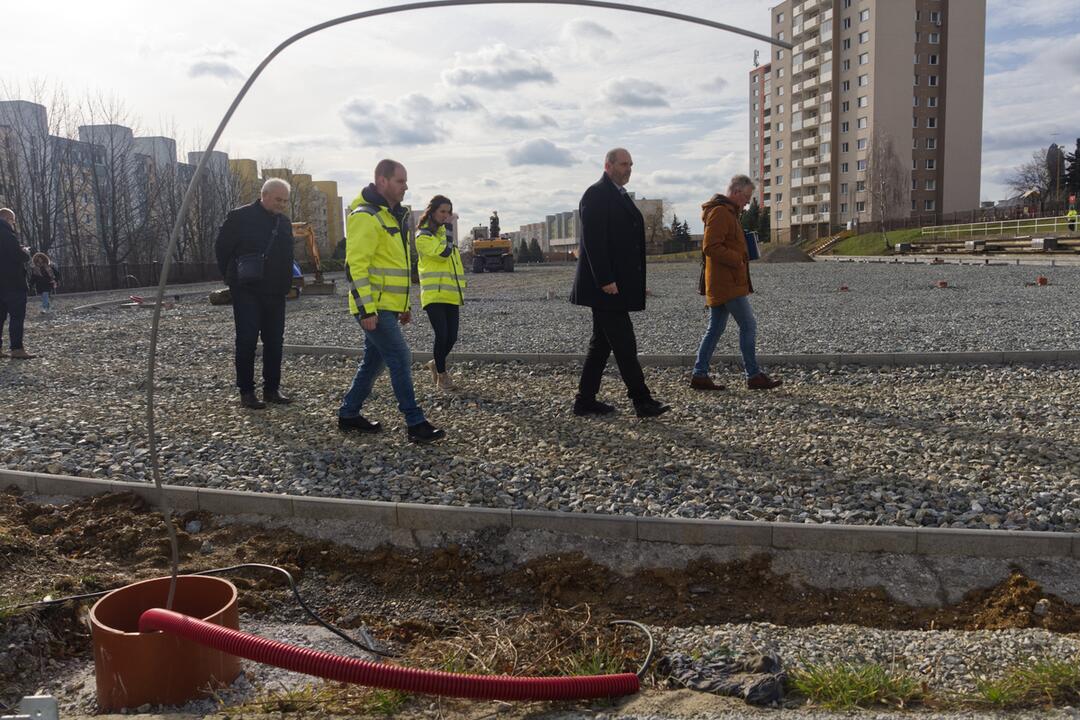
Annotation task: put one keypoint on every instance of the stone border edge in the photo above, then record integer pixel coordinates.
(679, 531)
(899, 359)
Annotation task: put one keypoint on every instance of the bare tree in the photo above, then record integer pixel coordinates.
(1033, 174)
(31, 165)
(888, 181)
(656, 231)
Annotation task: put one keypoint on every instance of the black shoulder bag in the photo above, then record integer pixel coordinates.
(250, 267)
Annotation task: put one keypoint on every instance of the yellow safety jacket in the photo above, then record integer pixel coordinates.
(377, 259)
(442, 276)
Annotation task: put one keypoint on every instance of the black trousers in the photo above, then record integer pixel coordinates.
(258, 316)
(612, 332)
(13, 311)
(444, 319)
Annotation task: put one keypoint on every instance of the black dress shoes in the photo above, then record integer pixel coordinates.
(275, 396)
(425, 432)
(650, 408)
(358, 424)
(583, 407)
(251, 402)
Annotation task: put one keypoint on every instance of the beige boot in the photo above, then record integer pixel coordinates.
(21, 354)
(443, 382)
(430, 365)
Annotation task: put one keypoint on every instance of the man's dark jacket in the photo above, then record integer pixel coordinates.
(248, 229)
(13, 260)
(612, 249)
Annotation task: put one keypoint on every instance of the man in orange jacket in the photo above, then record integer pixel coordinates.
(728, 286)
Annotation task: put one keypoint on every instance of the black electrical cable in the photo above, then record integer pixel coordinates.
(652, 646)
(367, 645)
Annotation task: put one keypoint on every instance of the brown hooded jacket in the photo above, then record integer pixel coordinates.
(727, 262)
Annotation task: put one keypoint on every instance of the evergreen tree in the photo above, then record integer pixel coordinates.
(1071, 179)
(535, 253)
(763, 229)
(751, 216)
(521, 255)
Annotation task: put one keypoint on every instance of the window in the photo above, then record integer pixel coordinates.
(780, 35)
(755, 79)
(864, 80)
(916, 83)
(931, 122)
(916, 37)
(861, 143)
(918, 15)
(779, 54)
(864, 37)
(935, 38)
(779, 214)
(860, 165)
(779, 179)
(779, 144)
(931, 164)
(779, 162)
(780, 91)
(845, 106)
(755, 107)
(935, 17)
(915, 101)
(845, 64)
(863, 101)
(780, 72)
(845, 126)
(931, 143)
(779, 197)
(780, 127)
(860, 206)
(779, 17)
(860, 186)
(931, 102)
(914, 143)
(864, 58)
(780, 109)
(914, 164)
(864, 15)
(845, 85)
(846, 23)
(844, 147)
(861, 123)
(932, 80)
(928, 204)
(843, 208)
(914, 184)
(916, 58)
(846, 44)
(843, 188)
(913, 205)
(847, 4)
(933, 59)
(931, 184)
(843, 167)
(755, 92)
(914, 122)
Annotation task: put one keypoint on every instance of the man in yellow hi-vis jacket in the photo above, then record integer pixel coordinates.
(377, 262)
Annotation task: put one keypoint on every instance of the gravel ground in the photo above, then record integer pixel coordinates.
(990, 447)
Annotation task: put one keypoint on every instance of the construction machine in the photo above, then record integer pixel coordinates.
(303, 232)
(492, 255)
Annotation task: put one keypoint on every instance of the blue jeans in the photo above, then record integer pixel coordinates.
(740, 309)
(384, 347)
(45, 300)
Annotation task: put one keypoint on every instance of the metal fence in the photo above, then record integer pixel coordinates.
(90, 278)
(1020, 227)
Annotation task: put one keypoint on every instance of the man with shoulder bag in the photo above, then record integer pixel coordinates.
(255, 256)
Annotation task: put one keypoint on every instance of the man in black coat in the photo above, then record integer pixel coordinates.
(13, 258)
(261, 228)
(610, 279)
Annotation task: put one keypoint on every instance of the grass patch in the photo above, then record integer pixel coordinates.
(870, 243)
(847, 686)
(1046, 683)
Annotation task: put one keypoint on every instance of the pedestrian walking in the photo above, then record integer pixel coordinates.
(13, 258)
(45, 277)
(442, 284)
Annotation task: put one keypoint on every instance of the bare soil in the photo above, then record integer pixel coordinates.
(547, 616)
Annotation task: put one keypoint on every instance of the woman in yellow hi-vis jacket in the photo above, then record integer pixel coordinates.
(442, 283)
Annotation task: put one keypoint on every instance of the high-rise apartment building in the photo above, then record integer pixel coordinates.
(876, 111)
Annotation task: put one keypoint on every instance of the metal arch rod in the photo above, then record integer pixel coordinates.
(201, 168)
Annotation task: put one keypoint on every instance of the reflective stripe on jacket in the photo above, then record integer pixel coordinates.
(442, 276)
(377, 260)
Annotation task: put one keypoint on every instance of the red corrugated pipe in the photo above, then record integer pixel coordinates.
(391, 677)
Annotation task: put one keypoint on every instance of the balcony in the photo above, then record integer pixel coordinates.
(796, 87)
(824, 78)
(824, 159)
(825, 117)
(807, 218)
(809, 141)
(824, 177)
(825, 96)
(808, 122)
(809, 180)
(809, 103)
(796, 163)
(796, 182)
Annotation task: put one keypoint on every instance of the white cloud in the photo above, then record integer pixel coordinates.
(497, 67)
(540, 152)
(411, 121)
(523, 121)
(582, 29)
(214, 68)
(634, 93)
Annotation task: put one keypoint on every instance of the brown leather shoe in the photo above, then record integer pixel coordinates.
(761, 381)
(704, 382)
(21, 354)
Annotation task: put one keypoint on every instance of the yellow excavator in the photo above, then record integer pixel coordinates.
(303, 233)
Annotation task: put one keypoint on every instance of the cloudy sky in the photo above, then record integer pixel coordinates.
(498, 107)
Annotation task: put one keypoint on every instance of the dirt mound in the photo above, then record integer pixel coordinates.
(785, 254)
